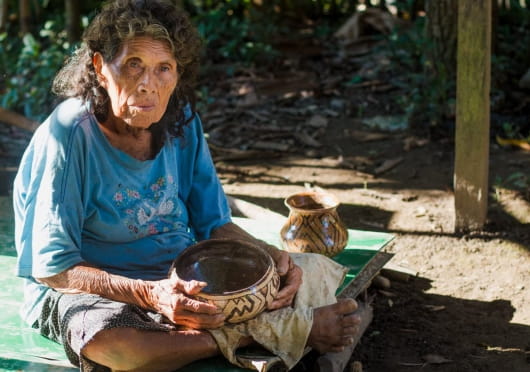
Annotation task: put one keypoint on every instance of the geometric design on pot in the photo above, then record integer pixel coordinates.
(313, 224)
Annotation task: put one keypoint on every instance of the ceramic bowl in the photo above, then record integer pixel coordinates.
(242, 278)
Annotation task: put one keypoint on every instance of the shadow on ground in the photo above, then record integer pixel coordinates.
(500, 223)
(481, 334)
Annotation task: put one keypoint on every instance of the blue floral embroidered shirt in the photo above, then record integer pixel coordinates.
(79, 199)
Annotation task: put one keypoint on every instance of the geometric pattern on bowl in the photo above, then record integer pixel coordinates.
(315, 234)
(313, 224)
(242, 278)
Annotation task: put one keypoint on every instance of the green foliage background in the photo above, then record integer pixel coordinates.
(243, 32)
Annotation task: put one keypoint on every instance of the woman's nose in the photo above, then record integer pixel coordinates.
(147, 83)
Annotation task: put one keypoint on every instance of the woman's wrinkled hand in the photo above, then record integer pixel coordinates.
(290, 278)
(171, 298)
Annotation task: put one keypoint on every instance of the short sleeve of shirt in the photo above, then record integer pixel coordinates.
(202, 191)
(48, 209)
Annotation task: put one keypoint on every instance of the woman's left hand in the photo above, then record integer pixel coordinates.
(290, 274)
(290, 278)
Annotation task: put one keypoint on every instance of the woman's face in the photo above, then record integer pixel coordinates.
(139, 81)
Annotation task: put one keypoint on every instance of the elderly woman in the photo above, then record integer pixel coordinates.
(114, 184)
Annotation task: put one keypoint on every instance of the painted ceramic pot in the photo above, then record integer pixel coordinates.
(313, 224)
(242, 278)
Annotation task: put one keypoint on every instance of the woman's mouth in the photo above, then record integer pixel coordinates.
(143, 108)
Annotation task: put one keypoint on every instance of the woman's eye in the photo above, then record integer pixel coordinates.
(133, 64)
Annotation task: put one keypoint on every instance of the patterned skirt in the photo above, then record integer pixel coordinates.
(74, 319)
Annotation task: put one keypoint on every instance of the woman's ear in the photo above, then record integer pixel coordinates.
(97, 62)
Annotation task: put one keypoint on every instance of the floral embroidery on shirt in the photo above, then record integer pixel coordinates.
(154, 211)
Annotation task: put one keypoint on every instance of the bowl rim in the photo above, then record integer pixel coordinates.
(258, 284)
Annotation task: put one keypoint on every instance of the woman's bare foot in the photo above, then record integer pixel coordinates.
(334, 326)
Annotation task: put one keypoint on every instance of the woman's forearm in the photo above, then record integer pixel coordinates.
(83, 278)
(169, 297)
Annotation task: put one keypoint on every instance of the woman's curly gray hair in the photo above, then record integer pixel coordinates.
(118, 22)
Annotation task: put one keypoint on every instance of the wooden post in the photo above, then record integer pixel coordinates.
(472, 114)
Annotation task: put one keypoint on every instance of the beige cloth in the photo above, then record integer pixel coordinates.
(284, 332)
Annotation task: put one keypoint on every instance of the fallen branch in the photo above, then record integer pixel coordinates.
(225, 154)
(221, 168)
(274, 146)
(387, 165)
(364, 84)
(522, 144)
(12, 118)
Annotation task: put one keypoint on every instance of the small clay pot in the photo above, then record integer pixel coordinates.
(313, 224)
(242, 278)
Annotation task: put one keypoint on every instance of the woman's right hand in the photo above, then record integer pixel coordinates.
(170, 297)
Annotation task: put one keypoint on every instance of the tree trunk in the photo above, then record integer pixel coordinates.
(432, 107)
(179, 4)
(3, 15)
(472, 114)
(441, 29)
(25, 16)
(73, 20)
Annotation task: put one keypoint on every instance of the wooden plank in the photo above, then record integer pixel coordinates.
(472, 114)
(253, 211)
(363, 279)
